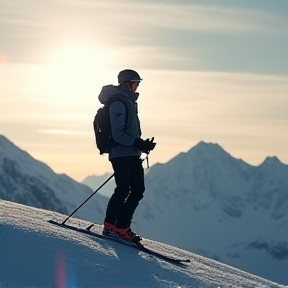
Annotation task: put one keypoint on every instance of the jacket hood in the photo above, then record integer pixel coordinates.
(110, 91)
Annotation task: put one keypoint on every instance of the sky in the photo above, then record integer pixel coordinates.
(39, 254)
(215, 71)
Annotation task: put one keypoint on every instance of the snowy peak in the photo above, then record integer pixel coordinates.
(13, 156)
(207, 153)
(273, 170)
(272, 161)
(4, 141)
(204, 163)
(205, 147)
(8, 146)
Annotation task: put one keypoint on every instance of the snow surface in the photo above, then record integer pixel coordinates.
(35, 253)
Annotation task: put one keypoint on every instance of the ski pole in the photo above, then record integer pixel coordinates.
(87, 199)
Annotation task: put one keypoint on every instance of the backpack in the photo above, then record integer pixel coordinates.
(102, 128)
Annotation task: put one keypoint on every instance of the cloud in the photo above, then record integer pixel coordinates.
(210, 102)
(134, 15)
(31, 29)
(202, 18)
(179, 15)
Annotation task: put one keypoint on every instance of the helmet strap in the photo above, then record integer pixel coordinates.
(128, 84)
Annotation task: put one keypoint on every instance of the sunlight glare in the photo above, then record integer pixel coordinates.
(75, 70)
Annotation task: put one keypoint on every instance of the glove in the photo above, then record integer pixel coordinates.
(144, 145)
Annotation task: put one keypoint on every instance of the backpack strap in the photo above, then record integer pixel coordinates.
(113, 99)
(112, 142)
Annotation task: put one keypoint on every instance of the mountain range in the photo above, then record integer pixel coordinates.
(204, 201)
(208, 202)
(28, 181)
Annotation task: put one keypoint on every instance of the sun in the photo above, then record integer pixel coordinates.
(74, 70)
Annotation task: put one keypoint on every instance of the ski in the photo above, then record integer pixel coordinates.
(139, 246)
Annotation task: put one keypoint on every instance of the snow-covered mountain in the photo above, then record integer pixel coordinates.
(208, 202)
(35, 253)
(94, 181)
(28, 181)
(203, 201)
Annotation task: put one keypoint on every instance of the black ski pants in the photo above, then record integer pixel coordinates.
(129, 178)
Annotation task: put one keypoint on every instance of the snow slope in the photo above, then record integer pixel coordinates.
(34, 253)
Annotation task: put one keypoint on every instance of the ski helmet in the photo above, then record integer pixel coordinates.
(128, 75)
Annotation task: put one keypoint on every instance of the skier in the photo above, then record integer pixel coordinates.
(124, 154)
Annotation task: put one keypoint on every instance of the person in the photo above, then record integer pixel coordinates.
(125, 148)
